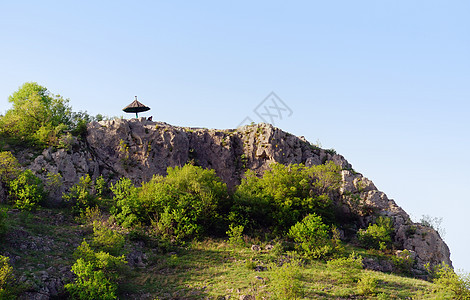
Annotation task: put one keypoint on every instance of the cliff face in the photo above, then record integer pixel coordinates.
(138, 149)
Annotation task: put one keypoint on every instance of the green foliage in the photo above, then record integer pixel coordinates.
(97, 274)
(446, 280)
(41, 118)
(284, 195)
(53, 182)
(9, 167)
(404, 262)
(124, 154)
(378, 235)
(186, 203)
(36, 116)
(90, 282)
(235, 235)
(127, 205)
(107, 239)
(285, 280)
(312, 237)
(349, 267)
(101, 186)
(26, 191)
(6, 277)
(367, 285)
(80, 195)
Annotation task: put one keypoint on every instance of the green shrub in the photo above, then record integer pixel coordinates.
(312, 237)
(80, 195)
(97, 274)
(53, 182)
(235, 235)
(127, 206)
(446, 280)
(378, 235)
(284, 195)
(90, 283)
(101, 186)
(6, 278)
(367, 285)
(349, 267)
(9, 167)
(186, 203)
(403, 263)
(285, 280)
(26, 191)
(107, 239)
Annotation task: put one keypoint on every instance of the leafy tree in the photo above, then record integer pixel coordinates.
(40, 117)
(312, 237)
(36, 115)
(26, 191)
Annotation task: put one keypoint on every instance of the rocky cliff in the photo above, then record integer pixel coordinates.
(138, 149)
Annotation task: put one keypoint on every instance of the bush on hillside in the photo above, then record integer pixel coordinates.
(97, 274)
(378, 235)
(284, 195)
(312, 237)
(446, 280)
(6, 278)
(26, 191)
(80, 195)
(186, 203)
(9, 167)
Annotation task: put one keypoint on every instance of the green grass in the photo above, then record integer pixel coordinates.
(212, 268)
(208, 269)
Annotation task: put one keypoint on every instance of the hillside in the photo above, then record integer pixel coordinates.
(41, 243)
(138, 149)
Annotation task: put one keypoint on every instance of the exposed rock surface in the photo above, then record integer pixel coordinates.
(138, 149)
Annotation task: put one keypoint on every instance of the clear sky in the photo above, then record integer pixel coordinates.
(385, 83)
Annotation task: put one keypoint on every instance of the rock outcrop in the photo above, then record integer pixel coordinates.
(139, 148)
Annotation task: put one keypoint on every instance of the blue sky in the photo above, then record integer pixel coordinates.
(385, 83)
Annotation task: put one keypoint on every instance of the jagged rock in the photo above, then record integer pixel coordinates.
(377, 265)
(427, 244)
(137, 259)
(406, 254)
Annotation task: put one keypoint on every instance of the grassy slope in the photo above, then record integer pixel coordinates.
(45, 240)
